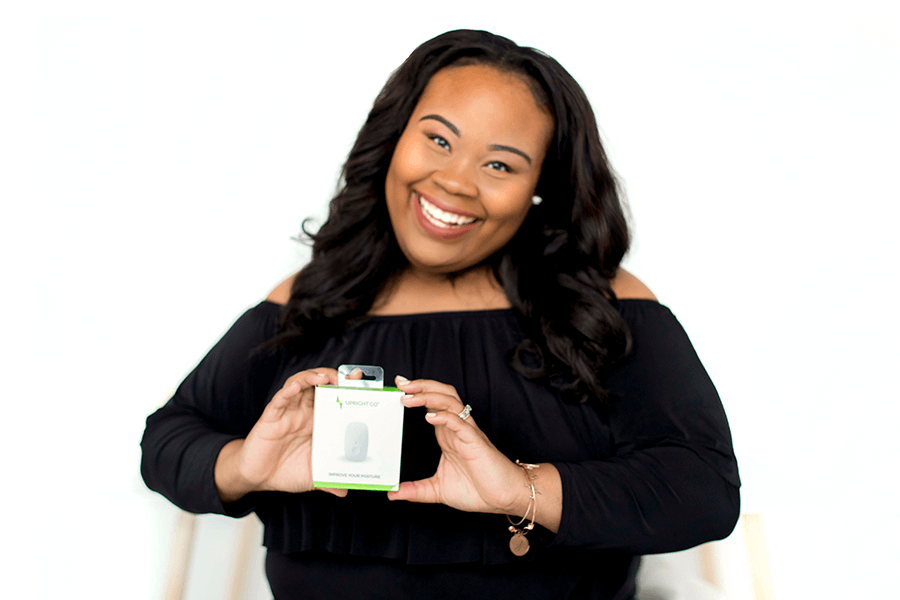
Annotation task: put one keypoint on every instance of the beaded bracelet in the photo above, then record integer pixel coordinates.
(518, 545)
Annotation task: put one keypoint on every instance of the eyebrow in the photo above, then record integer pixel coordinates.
(503, 148)
(449, 125)
(492, 147)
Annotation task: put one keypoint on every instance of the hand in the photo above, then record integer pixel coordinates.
(276, 455)
(472, 474)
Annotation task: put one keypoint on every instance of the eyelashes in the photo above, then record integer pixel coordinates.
(439, 141)
(442, 143)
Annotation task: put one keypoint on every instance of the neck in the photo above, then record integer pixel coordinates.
(414, 291)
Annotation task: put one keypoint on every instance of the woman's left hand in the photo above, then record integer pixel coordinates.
(472, 474)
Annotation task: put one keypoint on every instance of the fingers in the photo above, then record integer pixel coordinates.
(465, 430)
(433, 395)
(337, 492)
(425, 385)
(292, 392)
(416, 491)
(433, 402)
(315, 377)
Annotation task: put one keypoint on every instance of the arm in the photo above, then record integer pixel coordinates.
(220, 438)
(218, 402)
(672, 481)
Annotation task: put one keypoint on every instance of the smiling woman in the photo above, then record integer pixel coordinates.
(558, 422)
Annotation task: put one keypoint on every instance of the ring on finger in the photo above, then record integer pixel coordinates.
(465, 413)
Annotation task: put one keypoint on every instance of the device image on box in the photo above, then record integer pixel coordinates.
(357, 432)
(356, 441)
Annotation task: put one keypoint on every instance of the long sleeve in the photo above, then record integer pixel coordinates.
(219, 401)
(672, 480)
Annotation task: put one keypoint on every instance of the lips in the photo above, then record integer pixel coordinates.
(440, 221)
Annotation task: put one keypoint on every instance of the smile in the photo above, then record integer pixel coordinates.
(443, 218)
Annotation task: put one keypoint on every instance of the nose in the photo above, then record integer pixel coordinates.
(456, 177)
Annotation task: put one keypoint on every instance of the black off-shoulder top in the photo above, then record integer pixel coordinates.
(653, 472)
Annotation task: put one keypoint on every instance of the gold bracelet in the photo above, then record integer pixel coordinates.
(518, 545)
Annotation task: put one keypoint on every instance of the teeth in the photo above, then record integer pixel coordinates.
(442, 218)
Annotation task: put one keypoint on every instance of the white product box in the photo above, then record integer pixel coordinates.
(357, 432)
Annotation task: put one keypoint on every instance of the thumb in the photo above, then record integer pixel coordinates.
(424, 490)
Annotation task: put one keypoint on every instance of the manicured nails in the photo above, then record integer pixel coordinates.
(407, 396)
(402, 380)
(430, 415)
(356, 371)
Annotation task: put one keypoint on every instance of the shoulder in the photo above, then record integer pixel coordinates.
(282, 293)
(627, 286)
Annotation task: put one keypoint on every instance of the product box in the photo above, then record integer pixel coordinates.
(357, 432)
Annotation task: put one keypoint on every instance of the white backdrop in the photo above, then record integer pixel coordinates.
(154, 168)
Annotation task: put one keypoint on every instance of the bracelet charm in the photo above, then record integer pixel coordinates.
(519, 545)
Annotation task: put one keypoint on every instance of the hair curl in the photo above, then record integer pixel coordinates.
(555, 271)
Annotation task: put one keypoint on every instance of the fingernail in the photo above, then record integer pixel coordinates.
(430, 415)
(402, 380)
(355, 371)
(321, 374)
(406, 396)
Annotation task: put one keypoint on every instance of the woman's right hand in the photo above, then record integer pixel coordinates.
(275, 456)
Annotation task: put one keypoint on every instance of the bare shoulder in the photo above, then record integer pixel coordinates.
(282, 293)
(626, 285)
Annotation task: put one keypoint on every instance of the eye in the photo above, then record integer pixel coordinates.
(438, 140)
(499, 166)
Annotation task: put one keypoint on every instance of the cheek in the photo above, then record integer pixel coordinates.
(511, 206)
(409, 164)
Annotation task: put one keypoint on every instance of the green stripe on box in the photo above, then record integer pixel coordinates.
(353, 486)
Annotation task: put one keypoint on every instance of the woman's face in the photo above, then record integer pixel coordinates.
(465, 168)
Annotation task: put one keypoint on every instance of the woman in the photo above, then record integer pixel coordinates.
(475, 245)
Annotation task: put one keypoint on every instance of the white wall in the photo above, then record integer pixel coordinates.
(155, 166)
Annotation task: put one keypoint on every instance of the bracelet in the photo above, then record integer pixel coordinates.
(518, 545)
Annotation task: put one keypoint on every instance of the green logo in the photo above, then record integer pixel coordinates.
(340, 404)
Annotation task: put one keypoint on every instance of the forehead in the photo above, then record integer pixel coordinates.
(484, 96)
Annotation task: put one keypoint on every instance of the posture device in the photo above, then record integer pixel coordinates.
(356, 441)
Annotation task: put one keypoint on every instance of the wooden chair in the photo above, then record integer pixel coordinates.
(736, 568)
(241, 573)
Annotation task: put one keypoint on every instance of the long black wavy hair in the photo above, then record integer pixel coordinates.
(555, 271)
